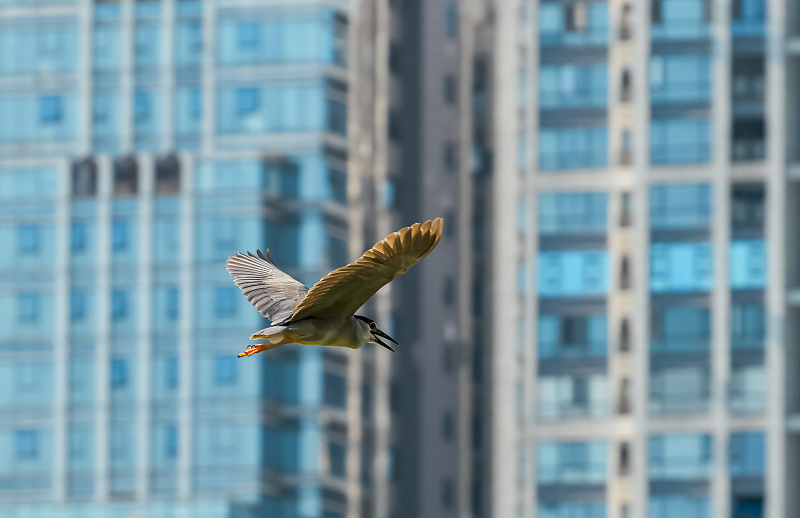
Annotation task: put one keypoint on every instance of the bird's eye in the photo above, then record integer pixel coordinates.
(373, 326)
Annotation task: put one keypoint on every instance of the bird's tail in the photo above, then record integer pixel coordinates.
(275, 336)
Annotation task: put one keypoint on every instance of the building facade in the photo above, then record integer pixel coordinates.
(141, 143)
(610, 331)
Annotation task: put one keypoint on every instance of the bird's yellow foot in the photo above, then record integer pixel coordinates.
(251, 350)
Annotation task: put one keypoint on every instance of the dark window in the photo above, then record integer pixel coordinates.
(447, 493)
(225, 370)
(450, 227)
(626, 89)
(626, 23)
(337, 117)
(84, 177)
(747, 83)
(28, 239)
(396, 58)
(366, 400)
(336, 457)
(576, 17)
(748, 140)
(580, 391)
(624, 458)
(574, 331)
(335, 390)
(626, 153)
(449, 292)
(168, 174)
(450, 155)
(624, 335)
(450, 89)
(338, 183)
(625, 397)
(26, 444)
(626, 210)
(119, 373)
(126, 172)
(747, 206)
(625, 274)
(655, 12)
(448, 426)
(395, 126)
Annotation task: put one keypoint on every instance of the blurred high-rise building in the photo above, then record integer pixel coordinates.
(609, 327)
(141, 143)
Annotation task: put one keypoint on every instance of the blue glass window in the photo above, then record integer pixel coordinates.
(680, 141)
(680, 267)
(247, 101)
(28, 239)
(50, 109)
(337, 456)
(748, 17)
(225, 370)
(573, 85)
(77, 305)
(77, 237)
(225, 301)
(171, 372)
(141, 106)
(572, 148)
(572, 462)
(119, 304)
(747, 454)
(28, 307)
(572, 273)
(173, 303)
(119, 235)
(119, 373)
(684, 456)
(680, 20)
(26, 444)
(248, 35)
(572, 212)
(195, 104)
(748, 264)
(171, 441)
(563, 24)
(337, 117)
(676, 79)
(748, 326)
(680, 205)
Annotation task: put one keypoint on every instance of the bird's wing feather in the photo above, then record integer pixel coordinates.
(274, 293)
(343, 291)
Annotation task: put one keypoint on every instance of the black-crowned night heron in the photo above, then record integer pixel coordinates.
(325, 314)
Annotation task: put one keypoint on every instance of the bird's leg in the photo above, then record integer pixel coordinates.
(258, 348)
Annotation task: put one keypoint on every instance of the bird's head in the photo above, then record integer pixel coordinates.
(373, 334)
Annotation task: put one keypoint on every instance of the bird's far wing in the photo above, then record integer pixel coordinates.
(343, 291)
(274, 293)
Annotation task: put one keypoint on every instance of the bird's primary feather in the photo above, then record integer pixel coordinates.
(344, 290)
(273, 292)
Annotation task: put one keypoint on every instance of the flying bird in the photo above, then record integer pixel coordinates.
(325, 314)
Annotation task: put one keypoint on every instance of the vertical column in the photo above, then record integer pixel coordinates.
(208, 73)
(721, 236)
(168, 75)
(640, 314)
(503, 264)
(776, 260)
(144, 342)
(84, 76)
(61, 336)
(103, 342)
(185, 351)
(126, 80)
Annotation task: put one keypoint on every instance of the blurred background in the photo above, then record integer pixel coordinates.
(608, 328)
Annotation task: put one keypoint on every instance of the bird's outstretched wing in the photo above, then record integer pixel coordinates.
(343, 291)
(274, 293)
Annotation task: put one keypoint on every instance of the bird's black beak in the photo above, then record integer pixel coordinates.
(380, 333)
